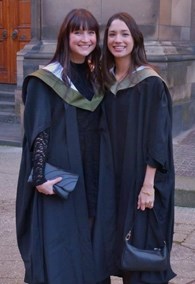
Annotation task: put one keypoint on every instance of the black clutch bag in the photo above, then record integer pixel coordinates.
(65, 186)
(136, 259)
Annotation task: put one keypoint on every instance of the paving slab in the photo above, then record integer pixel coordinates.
(184, 160)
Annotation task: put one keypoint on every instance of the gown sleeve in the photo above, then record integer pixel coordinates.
(37, 97)
(159, 127)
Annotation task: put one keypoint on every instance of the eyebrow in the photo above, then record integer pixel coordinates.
(120, 30)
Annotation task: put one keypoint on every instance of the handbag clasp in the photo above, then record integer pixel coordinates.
(128, 236)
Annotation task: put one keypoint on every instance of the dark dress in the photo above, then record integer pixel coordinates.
(53, 234)
(139, 118)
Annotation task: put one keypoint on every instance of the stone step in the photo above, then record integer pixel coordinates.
(7, 106)
(8, 117)
(7, 103)
(7, 96)
(8, 87)
(185, 191)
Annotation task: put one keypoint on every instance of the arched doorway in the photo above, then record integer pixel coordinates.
(15, 33)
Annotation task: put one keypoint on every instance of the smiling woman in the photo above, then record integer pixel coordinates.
(139, 112)
(65, 126)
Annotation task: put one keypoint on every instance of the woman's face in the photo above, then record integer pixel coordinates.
(120, 41)
(81, 43)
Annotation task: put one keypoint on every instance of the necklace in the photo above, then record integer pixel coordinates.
(119, 78)
(121, 75)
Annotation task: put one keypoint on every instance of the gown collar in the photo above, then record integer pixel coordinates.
(51, 75)
(133, 79)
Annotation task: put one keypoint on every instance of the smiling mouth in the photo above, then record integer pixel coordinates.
(85, 46)
(119, 48)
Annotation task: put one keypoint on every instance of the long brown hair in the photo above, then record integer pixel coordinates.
(78, 19)
(138, 55)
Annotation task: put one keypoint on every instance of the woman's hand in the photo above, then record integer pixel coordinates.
(146, 197)
(47, 187)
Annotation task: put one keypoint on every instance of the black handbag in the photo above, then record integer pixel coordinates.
(65, 186)
(136, 259)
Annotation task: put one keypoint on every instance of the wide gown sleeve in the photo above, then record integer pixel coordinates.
(38, 109)
(158, 117)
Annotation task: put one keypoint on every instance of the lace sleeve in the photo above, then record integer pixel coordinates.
(39, 157)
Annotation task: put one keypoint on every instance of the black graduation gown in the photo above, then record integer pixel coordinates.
(139, 117)
(53, 234)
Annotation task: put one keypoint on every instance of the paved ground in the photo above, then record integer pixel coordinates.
(10, 133)
(184, 154)
(183, 253)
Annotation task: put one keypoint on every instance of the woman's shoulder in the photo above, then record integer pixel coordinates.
(36, 88)
(143, 74)
(150, 75)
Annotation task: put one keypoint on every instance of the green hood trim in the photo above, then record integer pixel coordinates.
(133, 79)
(69, 95)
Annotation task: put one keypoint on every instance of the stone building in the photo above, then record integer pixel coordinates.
(169, 30)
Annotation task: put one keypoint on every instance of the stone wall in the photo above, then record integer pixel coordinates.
(176, 21)
(169, 30)
(176, 63)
